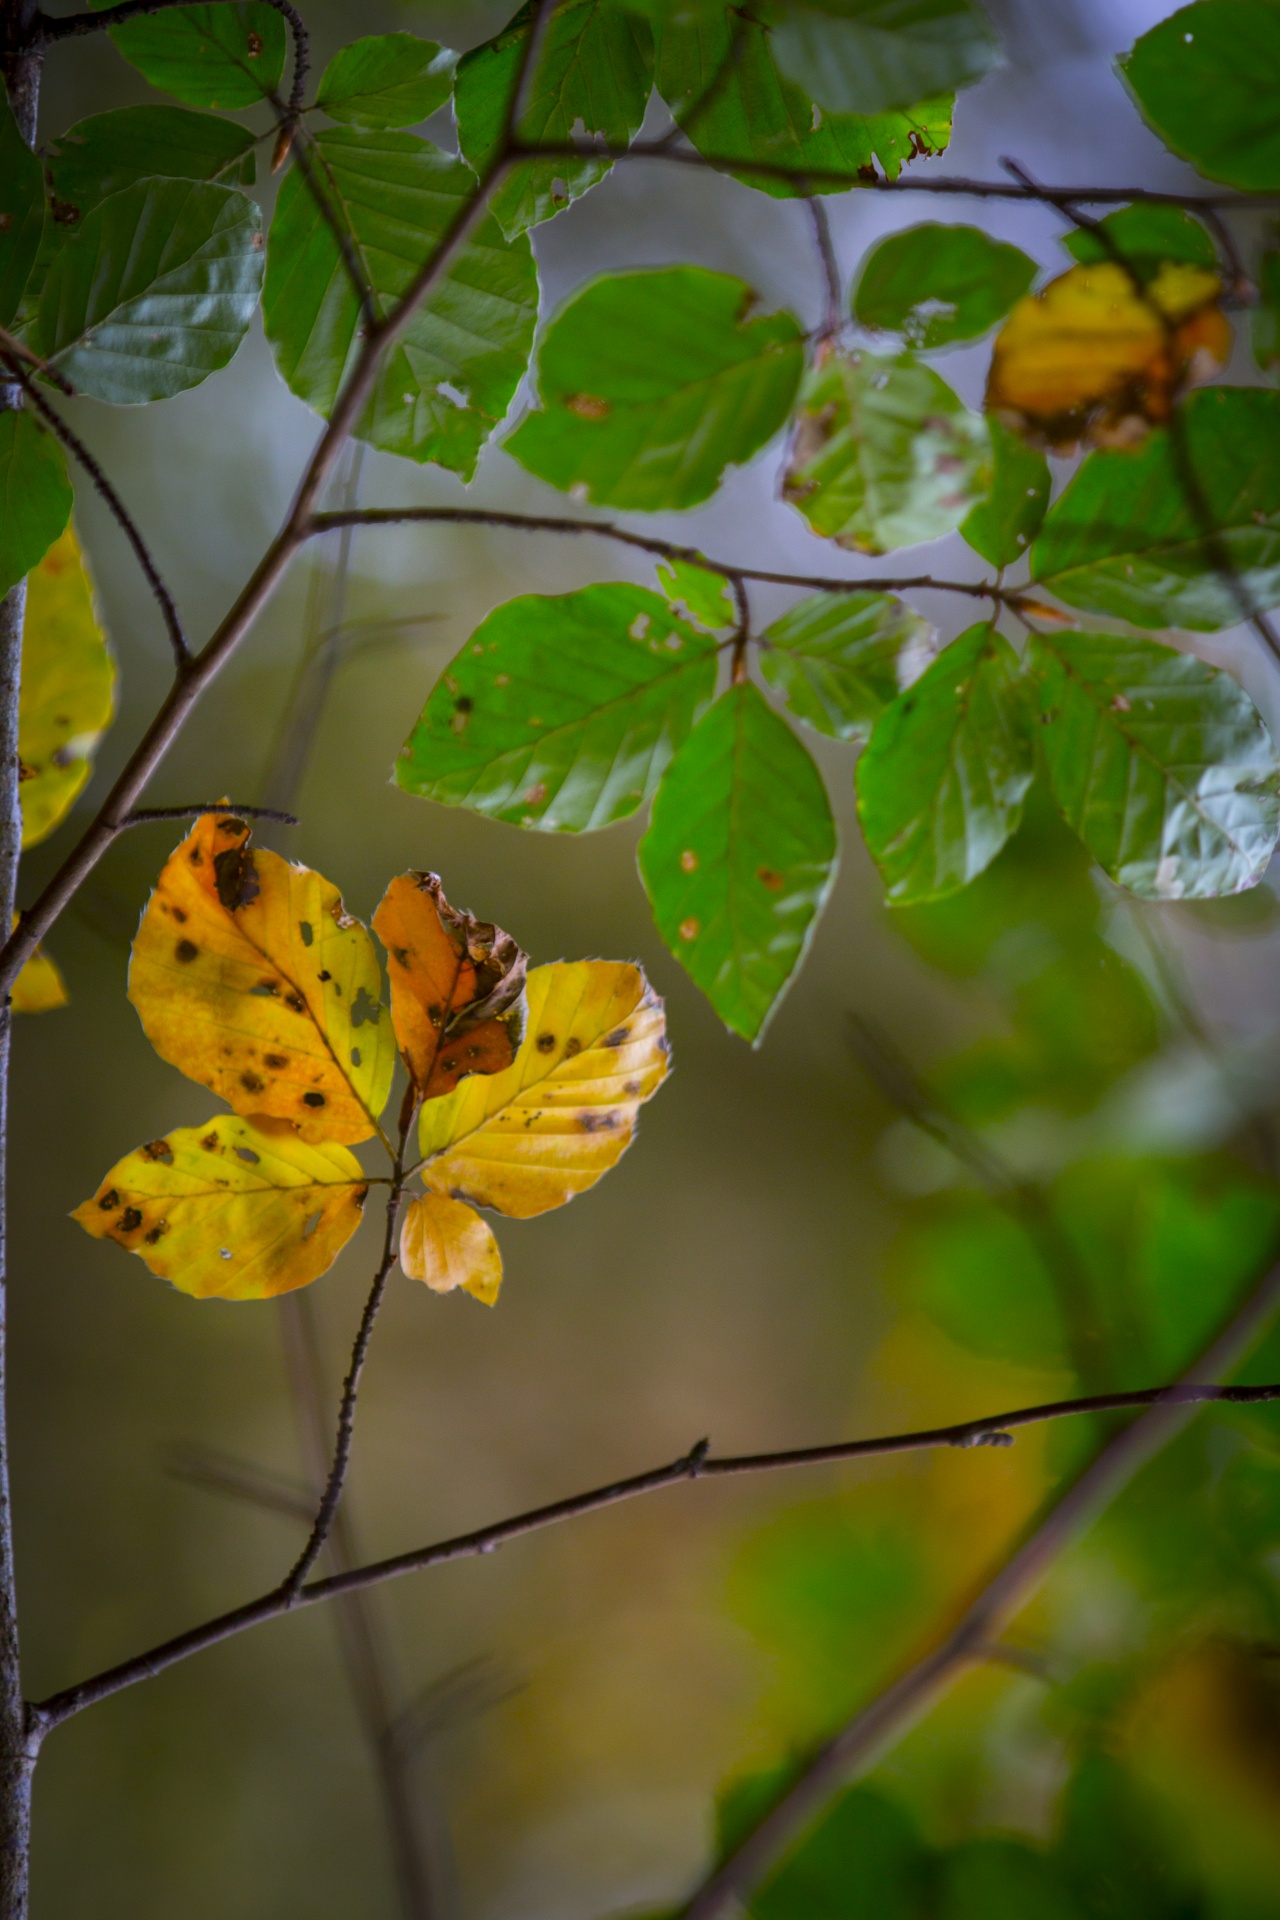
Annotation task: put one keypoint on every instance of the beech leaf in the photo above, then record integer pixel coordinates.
(445, 1243)
(840, 658)
(67, 695)
(35, 495)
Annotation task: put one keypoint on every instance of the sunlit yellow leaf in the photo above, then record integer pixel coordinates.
(1090, 358)
(231, 1210)
(448, 1245)
(531, 1138)
(39, 988)
(457, 985)
(68, 687)
(250, 976)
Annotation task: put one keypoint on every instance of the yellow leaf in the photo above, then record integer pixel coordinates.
(231, 1210)
(457, 985)
(39, 988)
(1090, 358)
(448, 1245)
(531, 1138)
(249, 976)
(68, 687)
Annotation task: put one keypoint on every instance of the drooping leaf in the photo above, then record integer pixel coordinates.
(652, 383)
(592, 81)
(837, 658)
(1265, 318)
(67, 695)
(233, 1210)
(1160, 762)
(885, 454)
(250, 977)
(1002, 527)
(457, 986)
(562, 713)
(447, 1244)
(449, 380)
(698, 594)
(21, 212)
(1093, 358)
(717, 73)
(531, 1138)
(153, 291)
(35, 495)
(213, 56)
(993, 1878)
(936, 285)
(739, 857)
(865, 56)
(940, 787)
(1125, 539)
(1145, 238)
(1206, 79)
(864, 1856)
(39, 987)
(111, 151)
(386, 80)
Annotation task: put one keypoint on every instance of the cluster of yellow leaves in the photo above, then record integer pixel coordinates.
(1093, 358)
(250, 976)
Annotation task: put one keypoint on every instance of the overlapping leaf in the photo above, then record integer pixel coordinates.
(840, 658)
(39, 987)
(885, 454)
(1144, 238)
(111, 151)
(35, 495)
(21, 212)
(249, 975)
(531, 1138)
(386, 80)
(449, 379)
(1206, 79)
(864, 56)
(936, 285)
(211, 56)
(457, 986)
(67, 695)
(698, 594)
(446, 1244)
(562, 713)
(1002, 527)
(234, 1210)
(652, 383)
(739, 856)
(1161, 764)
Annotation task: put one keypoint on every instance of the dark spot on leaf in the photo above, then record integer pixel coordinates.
(769, 877)
(363, 1008)
(313, 1100)
(360, 1197)
(355, 1056)
(464, 703)
(156, 1233)
(130, 1220)
(254, 45)
(597, 1122)
(546, 1042)
(237, 879)
(571, 1046)
(186, 951)
(435, 1014)
(296, 1002)
(304, 928)
(211, 1143)
(179, 916)
(616, 1038)
(247, 1153)
(276, 1060)
(159, 1150)
(109, 1201)
(197, 858)
(253, 1083)
(265, 989)
(324, 974)
(633, 1088)
(229, 824)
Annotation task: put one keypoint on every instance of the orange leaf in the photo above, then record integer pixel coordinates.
(447, 1244)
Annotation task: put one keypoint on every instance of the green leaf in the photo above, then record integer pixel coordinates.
(652, 383)
(1160, 762)
(864, 56)
(449, 380)
(739, 857)
(1125, 540)
(1145, 237)
(153, 292)
(1265, 318)
(111, 151)
(698, 594)
(864, 1857)
(1208, 80)
(936, 285)
(562, 713)
(593, 78)
(974, 1271)
(386, 80)
(218, 56)
(885, 454)
(35, 496)
(1123, 1859)
(1002, 527)
(992, 1878)
(21, 211)
(719, 77)
(940, 787)
(836, 658)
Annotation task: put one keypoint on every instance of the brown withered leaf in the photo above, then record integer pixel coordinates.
(457, 986)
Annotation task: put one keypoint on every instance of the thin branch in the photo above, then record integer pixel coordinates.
(124, 519)
(144, 816)
(221, 1474)
(50, 30)
(833, 313)
(305, 152)
(11, 348)
(993, 1431)
(875, 1726)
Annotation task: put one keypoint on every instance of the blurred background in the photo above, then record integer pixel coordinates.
(781, 1258)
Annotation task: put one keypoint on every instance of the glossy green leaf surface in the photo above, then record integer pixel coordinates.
(1208, 80)
(940, 787)
(154, 292)
(594, 74)
(739, 856)
(386, 80)
(35, 495)
(698, 594)
(936, 285)
(1124, 539)
(21, 212)
(885, 454)
(718, 74)
(562, 713)
(1161, 764)
(864, 56)
(1144, 237)
(1002, 527)
(837, 658)
(220, 56)
(449, 379)
(652, 383)
(112, 151)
